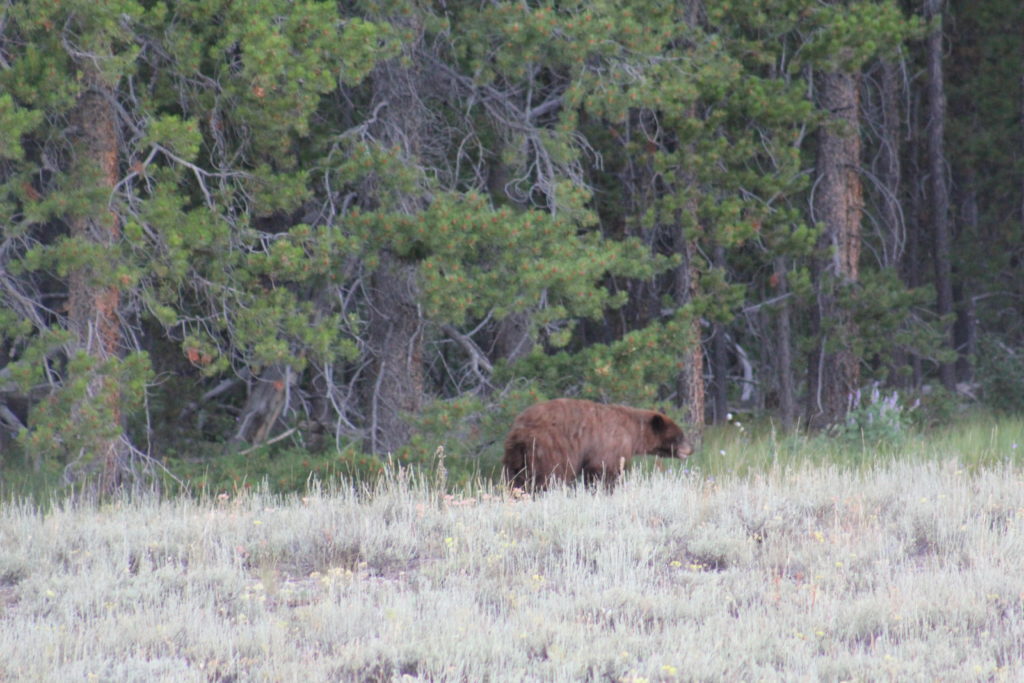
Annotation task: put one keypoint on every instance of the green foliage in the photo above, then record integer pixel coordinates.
(181, 137)
(15, 121)
(632, 370)
(938, 408)
(538, 160)
(999, 370)
(475, 260)
(847, 34)
(212, 75)
(69, 426)
(884, 314)
(984, 139)
(470, 430)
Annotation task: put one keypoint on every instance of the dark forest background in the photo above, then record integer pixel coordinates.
(373, 228)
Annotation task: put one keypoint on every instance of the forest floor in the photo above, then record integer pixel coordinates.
(904, 566)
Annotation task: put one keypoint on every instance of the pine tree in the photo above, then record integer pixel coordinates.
(184, 125)
(64, 226)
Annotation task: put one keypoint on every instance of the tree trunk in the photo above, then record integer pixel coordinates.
(894, 230)
(394, 333)
(784, 351)
(938, 186)
(893, 226)
(93, 307)
(720, 357)
(834, 369)
(395, 340)
(690, 380)
(720, 373)
(911, 268)
(965, 330)
(513, 334)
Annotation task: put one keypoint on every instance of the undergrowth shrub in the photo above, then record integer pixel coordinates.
(876, 417)
(286, 469)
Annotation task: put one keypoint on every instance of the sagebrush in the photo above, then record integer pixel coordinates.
(898, 571)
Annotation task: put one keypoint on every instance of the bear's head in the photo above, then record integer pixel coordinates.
(667, 439)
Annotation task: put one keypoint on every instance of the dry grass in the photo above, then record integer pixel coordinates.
(896, 572)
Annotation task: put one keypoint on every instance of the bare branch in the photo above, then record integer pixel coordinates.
(478, 359)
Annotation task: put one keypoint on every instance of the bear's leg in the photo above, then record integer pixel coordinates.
(556, 474)
(514, 466)
(516, 478)
(598, 472)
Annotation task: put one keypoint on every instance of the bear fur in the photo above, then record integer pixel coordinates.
(559, 440)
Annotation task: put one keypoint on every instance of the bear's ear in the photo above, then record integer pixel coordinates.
(658, 424)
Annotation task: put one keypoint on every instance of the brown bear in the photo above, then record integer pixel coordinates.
(556, 441)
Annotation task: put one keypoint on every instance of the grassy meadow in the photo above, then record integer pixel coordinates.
(765, 560)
